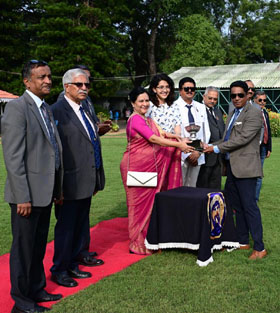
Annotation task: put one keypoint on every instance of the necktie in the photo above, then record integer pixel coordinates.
(236, 113)
(51, 133)
(265, 133)
(89, 106)
(190, 116)
(94, 141)
(213, 114)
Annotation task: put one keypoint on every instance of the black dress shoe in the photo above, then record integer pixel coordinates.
(93, 254)
(78, 274)
(44, 296)
(90, 261)
(64, 280)
(38, 308)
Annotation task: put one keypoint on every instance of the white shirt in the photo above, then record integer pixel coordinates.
(76, 108)
(200, 118)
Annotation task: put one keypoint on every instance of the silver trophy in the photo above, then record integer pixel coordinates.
(193, 129)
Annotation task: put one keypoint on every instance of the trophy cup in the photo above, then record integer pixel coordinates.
(192, 129)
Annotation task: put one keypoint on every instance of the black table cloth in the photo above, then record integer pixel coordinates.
(179, 220)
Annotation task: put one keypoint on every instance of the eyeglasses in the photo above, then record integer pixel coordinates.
(38, 62)
(252, 88)
(186, 89)
(239, 95)
(80, 85)
(261, 100)
(163, 87)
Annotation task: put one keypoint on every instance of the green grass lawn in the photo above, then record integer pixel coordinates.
(171, 282)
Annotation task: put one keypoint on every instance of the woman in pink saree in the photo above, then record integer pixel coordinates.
(148, 151)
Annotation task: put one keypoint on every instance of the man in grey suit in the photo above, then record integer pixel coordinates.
(32, 153)
(210, 174)
(240, 143)
(83, 177)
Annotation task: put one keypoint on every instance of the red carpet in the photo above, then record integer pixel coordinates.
(109, 240)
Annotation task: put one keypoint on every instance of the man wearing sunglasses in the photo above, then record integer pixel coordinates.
(192, 112)
(251, 90)
(32, 153)
(83, 177)
(240, 143)
(266, 146)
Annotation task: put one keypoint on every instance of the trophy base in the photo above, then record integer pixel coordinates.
(196, 144)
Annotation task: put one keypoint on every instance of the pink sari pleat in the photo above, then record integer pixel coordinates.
(140, 200)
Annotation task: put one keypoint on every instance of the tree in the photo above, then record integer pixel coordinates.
(13, 49)
(77, 32)
(198, 43)
(150, 27)
(253, 32)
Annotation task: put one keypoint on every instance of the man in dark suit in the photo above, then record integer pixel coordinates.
(32, 154)
(210, 174)
(266, 145)
(240, 143)
(86, 103)
(103, 128)
(83, 177)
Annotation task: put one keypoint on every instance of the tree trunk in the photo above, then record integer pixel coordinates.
(151, 49)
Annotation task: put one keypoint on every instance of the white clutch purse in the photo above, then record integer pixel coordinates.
(141, 179)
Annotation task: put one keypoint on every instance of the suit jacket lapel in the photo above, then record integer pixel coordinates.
(74, 119)
(37, 114)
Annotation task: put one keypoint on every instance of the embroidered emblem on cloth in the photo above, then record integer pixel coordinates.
(216, 211)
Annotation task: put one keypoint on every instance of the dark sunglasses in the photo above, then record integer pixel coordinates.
(38, 62)
(80, 85)
(239, 95)
(186, 89)
(262, 100)
(253, 89)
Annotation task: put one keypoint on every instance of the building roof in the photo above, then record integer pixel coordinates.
(6, 96)
(263, 75)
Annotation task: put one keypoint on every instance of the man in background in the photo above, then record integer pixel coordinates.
(32, 153)
(266, 145)
(251, 90)
(210, 174)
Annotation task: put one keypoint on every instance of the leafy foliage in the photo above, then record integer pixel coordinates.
(198, 44)
(136, 38)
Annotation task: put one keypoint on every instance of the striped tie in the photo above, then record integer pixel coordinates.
(51, 133)
(93, 139)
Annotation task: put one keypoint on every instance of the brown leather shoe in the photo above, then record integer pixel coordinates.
(257, 255)
(244, 247)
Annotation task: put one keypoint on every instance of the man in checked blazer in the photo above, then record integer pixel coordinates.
(241, 145)
(210, 173)
(83, 177)
(33, 158)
